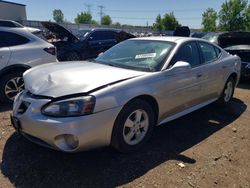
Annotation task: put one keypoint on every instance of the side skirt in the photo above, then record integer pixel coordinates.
(187, 111)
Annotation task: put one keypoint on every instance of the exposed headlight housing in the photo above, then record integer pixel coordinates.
(71, 107)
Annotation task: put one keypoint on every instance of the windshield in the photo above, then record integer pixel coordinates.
(142, 55)
(82, 33)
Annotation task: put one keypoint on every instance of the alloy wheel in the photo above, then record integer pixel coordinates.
(13, 87)
(228, 91)
(136, 127)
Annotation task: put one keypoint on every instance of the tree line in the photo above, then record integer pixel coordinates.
(82, 18)
(234, 15)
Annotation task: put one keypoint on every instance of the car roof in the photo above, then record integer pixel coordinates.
(169, 39)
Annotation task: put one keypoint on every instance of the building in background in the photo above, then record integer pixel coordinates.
(12, 11)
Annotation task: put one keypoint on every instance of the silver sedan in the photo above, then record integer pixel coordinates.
(119, 97)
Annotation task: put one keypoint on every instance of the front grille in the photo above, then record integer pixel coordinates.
(23, 107)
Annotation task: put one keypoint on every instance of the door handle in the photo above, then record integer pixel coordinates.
(224, 66)
(1, 56)
(199, 75)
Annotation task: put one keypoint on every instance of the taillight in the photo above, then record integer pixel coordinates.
(50, 50)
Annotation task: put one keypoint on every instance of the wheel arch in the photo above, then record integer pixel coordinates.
(14, 68)
(151, 101)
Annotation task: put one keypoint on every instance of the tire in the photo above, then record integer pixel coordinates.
(73, 56)
(129, 133)
(227, 92)
(10, 85)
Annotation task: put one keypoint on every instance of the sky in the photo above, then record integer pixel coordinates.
(134, 12)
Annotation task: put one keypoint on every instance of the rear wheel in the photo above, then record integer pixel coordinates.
(227, 93)
(133, 126)
(10, 85)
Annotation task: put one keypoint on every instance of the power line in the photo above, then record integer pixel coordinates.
(145, 11)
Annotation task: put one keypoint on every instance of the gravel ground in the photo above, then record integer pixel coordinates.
(207, 148)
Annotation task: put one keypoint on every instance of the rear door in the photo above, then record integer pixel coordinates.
(211, 70)
(4, 51)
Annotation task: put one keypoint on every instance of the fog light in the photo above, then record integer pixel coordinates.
(66, 142)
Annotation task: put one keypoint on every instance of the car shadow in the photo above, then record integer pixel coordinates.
(5, 107)
(29, 165)
(245, 84)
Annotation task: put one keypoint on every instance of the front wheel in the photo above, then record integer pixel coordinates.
(227, 93)
(133, 126)
(10, 85)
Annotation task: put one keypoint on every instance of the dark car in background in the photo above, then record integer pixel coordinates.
(236, 43)
(198, 34)
(85, 44)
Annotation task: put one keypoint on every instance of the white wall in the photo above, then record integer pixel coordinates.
(14, 12)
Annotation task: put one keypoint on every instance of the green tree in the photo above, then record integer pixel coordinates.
(158, 25)
(106, 20)
(170, 22)
(247, 18)
(83, 18)
(232, 17)
(94, 22)
(58, 15)
(209, 18)
(117, 24)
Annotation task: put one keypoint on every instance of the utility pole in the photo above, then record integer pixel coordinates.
(88, 8)
(101, 13)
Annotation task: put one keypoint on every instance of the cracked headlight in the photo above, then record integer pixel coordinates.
(78, 106)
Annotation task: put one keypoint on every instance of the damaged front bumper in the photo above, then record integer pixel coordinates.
(68, 134)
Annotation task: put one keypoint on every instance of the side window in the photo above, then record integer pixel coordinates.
(12, 39)
(102, 35)
(218, 51)
(208, 51)
(188, 53)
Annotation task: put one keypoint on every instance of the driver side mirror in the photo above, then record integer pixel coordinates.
(181, 67)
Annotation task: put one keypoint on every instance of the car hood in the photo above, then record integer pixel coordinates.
(59, 31)
(233, 38)
(60, 79)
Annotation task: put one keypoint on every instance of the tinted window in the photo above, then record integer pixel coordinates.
(7, 24)
(102, 35)
(12, 39)
(208, 51)
(188, 53)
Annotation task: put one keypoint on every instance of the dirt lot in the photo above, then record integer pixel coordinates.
(212, 143)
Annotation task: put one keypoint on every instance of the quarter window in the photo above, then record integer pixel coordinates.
(208, 51)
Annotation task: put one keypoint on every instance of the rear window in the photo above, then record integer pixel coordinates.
(12, 39)
(9, 24)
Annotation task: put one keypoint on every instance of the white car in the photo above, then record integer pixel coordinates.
(11, 23)
(19, 51)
